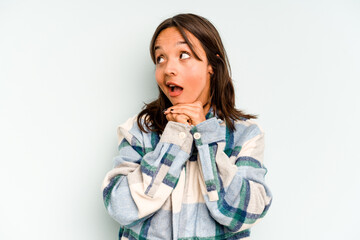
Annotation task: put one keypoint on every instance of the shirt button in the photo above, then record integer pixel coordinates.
(197, 135)
(182, 135)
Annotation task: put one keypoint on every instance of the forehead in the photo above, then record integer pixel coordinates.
(172, 36)
(169, 34)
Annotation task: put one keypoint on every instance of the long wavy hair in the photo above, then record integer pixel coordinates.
(222, 94)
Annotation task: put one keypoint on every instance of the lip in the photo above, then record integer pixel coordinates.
(172, 83)
(174, 94)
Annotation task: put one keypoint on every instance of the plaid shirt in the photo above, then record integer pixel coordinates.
(192, 182)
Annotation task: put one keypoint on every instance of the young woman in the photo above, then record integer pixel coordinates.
(190, 165)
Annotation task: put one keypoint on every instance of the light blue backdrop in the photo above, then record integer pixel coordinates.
(71, 71)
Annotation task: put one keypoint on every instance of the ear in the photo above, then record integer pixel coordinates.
(210, 69)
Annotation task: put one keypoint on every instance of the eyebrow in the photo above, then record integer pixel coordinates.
(178, 43)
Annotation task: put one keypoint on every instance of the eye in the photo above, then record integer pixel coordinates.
(184, 55)
(159, 59)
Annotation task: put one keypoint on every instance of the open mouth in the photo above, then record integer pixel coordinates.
(174, 90)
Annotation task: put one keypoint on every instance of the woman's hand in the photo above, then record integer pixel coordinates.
(187, 113)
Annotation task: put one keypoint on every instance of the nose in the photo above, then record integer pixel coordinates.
(171, 68)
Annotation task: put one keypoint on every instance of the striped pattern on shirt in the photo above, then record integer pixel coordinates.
(192, 182)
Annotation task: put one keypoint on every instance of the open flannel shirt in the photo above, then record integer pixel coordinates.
(192, 182)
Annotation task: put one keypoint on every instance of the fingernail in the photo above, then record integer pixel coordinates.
(164, 110)
(171, 109)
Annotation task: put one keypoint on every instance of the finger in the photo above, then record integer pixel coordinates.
(195, 105)
(182, 109)
(190, 110)
(181, 118)
(196, 114)
(171, 117)
(194, 110)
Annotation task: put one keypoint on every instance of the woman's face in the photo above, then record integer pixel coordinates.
(182, 77)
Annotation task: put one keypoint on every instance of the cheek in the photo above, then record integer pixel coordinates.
(197, 77)
(158, 77)
(159, 80)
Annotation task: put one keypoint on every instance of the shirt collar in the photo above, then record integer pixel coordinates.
(211, 113)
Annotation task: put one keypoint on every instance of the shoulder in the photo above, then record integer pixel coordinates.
(249, 124)
(247, 128)
(128, 129)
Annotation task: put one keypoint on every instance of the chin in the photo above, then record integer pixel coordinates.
(176, 101)
(180, 102)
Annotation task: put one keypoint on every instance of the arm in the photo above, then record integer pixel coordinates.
(144, 176)
(233, 172)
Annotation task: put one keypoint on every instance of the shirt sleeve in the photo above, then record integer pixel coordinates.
(143, 176)
(233, 172)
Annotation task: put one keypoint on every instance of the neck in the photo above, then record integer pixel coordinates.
(206, 107)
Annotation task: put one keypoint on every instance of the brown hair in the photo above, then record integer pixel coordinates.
(222, 94)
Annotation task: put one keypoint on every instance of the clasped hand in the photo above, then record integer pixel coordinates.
(187, 113)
